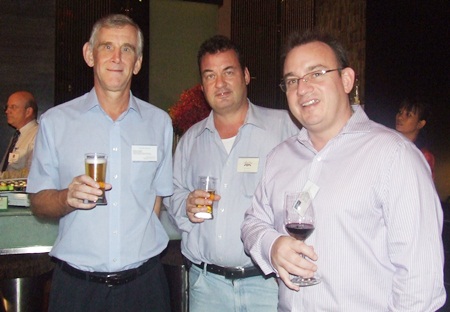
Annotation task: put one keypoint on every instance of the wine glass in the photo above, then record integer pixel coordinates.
(299, 223)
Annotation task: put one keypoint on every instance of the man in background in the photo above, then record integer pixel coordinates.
(107, 256)
(231, 145)
(21, 112)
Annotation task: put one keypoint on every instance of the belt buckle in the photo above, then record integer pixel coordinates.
(112, 279)
(237, 272)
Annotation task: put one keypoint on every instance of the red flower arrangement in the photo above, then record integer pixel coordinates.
(190, 108)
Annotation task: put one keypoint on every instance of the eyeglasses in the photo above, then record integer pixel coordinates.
(291, 83)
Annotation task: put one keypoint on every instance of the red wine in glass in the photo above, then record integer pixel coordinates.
(300, 231)
(299, 223)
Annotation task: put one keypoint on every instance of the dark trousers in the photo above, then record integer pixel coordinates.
(148, 292)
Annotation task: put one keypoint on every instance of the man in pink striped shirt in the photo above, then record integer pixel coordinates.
(377, 242)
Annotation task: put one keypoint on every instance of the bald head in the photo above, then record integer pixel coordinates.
(20, 109)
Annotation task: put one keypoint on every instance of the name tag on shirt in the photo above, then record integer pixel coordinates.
(144, 153)
(248, 164)
(13, 157)
(307, 195)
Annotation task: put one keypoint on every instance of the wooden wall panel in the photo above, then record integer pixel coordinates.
(260, 28)
(254, 29)
(346, 20)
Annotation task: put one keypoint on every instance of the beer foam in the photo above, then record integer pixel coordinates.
(203, 215)
(96, 160)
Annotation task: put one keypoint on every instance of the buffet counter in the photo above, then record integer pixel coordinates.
(25, 266)
(23, 233)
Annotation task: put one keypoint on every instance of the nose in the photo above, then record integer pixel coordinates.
(220, 81)
(116, 57)
(303, 87)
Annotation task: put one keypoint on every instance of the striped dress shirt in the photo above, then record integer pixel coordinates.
(378, 221)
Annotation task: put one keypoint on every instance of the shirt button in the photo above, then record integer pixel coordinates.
(219, 236)
(115, 149)
(114, 204)
(114, 260)
(116, 176)
(225, 185)
(115, 232)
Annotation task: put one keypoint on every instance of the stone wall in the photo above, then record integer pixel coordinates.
(346, 19)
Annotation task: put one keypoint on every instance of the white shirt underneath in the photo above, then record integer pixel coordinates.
(228, 143)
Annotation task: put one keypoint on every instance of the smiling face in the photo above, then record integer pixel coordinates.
(224, 82)
(114, 58)
(321, 106)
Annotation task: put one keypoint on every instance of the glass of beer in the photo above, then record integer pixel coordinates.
(208, 184)
(95, 165)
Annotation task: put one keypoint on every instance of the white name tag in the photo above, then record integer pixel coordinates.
(144, 153)
(13, 157)
(247, 164)
(309, 192)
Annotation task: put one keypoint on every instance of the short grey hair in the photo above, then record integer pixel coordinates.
(117, 21)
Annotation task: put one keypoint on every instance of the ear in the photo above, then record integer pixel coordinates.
(88, 54)
(348, 79)
(421, 124)
(137, 65)
(246, 76)
(28, 112)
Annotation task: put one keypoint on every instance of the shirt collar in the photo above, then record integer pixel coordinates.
(359, 122)
(92, 101)
(252, 118)
(29, 125)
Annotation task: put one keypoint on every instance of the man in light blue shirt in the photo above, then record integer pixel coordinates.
(107, 255)
(230, 145)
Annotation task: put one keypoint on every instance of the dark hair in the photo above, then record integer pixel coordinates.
(116, 21)
(296, 39)
(218, 44)
(417, 106)
(421, 108)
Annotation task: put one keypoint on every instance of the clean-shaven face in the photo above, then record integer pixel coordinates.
(115, 58)
(320, 106)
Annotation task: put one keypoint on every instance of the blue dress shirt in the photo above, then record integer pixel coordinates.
(202, 152)
(126, 232)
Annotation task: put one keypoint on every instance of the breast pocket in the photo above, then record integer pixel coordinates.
(250, 182)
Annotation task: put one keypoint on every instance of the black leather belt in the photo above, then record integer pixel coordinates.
(231, 272)
(109, 279)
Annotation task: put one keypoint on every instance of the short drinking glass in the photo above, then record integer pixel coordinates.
(208, 184)
(95, 165)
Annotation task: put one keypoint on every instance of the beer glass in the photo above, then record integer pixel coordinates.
(95, 165)
(208, 184)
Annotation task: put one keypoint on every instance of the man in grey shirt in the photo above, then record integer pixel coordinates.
(231, 145)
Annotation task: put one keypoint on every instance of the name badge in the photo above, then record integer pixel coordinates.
(13, 157)
(144, 153)
(309, 192)
(247, 164)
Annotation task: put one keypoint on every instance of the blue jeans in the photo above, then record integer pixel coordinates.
(211, 292)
